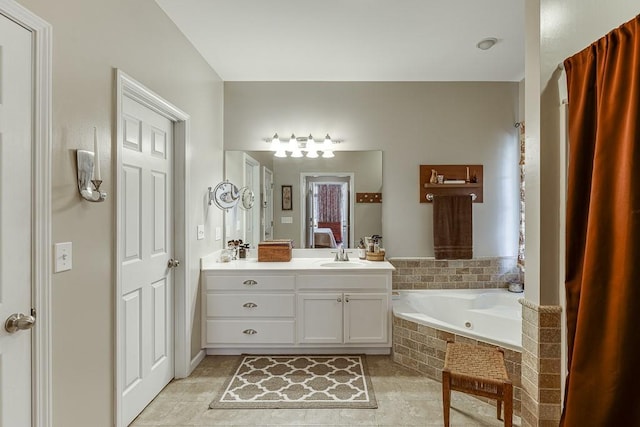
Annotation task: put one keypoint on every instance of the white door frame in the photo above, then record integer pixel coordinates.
(303, 206)
(127, 86)
(266, 202)
(252, 215)
(41, 290)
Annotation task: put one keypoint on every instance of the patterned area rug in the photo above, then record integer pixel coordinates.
(298, 382)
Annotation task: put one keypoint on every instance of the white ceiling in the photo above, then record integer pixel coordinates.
(355, 40)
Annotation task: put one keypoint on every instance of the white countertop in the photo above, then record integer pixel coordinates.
(313, 261)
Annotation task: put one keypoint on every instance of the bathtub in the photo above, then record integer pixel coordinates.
(493, 316)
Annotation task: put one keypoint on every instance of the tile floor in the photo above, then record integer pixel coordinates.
(405, 398)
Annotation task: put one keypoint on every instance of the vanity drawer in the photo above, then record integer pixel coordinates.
(250, 331)
(250, 305)
(343, 282)
(249, 282)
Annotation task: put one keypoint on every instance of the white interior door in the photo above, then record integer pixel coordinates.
(16, 228)
(252, 216)
(267, 203)
(309, 220)
(146, 241)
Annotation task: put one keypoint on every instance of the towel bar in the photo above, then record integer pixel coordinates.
(430, 196)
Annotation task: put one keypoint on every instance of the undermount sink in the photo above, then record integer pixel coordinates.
(342, 264)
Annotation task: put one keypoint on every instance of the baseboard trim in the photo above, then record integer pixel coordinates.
(298, 350)
(196, 361)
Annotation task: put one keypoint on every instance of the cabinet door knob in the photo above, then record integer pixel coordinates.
(346, 299)
(250, 331)
(250, 305)
(339, 300)
(250, 282)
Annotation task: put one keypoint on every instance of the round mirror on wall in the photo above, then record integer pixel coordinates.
(247, 198)
(225, 195)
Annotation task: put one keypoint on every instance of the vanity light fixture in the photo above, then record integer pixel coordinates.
(328, 151)
(89, 177)
(302, 146)
(486, 44)
(277, 146)
(312, 151)
(294, 147)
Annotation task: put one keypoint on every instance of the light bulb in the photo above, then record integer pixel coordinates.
(327, 142)
(312, 152)
(327, 149)
(277, 146)
(293, 147)
(275, 143)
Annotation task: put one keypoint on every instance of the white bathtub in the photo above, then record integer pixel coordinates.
(490, 315)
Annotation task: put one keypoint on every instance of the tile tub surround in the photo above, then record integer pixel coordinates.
(422, 348)
(541, 361)
(477, 273)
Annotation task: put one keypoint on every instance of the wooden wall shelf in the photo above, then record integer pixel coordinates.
(368, 197)
(451, 172)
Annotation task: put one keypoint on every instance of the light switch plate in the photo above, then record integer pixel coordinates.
(200, 232)
(218, 233)
(64, 256)
(286, 220)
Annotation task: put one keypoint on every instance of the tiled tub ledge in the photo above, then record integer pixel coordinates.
(477, 273)
(541, 364)
(422, 348)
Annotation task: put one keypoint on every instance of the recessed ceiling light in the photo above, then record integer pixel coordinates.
(486, 44)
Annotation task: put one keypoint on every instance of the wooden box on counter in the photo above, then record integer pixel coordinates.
(275, 250)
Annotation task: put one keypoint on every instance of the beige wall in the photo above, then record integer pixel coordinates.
(413, 123)
(90, 39)
(564, 28)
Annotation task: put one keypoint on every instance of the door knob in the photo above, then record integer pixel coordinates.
(173, 263)
(19, 321)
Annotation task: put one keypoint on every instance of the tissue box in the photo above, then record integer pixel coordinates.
(275, 251)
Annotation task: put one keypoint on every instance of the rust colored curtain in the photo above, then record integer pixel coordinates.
(330, 202)
(603, 232)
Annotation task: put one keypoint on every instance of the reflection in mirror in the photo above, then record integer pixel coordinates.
(323, 213)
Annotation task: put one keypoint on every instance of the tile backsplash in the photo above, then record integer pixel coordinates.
(477, 273)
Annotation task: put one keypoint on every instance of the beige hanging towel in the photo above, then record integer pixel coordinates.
(452, 227)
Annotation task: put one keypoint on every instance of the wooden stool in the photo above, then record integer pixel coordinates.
(479, 371)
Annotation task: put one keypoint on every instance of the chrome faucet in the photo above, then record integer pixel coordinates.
(341, 255)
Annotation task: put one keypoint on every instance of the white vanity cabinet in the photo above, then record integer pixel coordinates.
(336, 318)
(344, 308)
(249, 309)
(296, 307)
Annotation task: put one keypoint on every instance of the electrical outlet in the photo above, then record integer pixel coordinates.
(218, 233)
(200, 232)
(64, 256)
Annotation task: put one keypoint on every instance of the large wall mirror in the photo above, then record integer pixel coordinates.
(311, 201)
